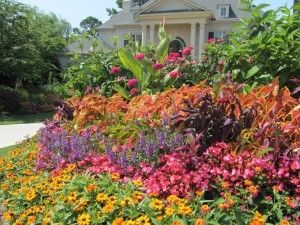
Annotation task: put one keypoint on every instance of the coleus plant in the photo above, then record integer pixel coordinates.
(209, 122)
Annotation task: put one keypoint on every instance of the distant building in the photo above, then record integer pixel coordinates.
(190, 22)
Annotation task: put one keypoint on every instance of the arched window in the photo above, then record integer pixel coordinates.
(177, 44)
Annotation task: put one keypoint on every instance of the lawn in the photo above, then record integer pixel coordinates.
(6, 150)
(27, 118)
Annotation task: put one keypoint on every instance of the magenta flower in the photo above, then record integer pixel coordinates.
(157, 66)
(211, 41)
(175, 73)
(134, 91)
(139, 56)
(173, 57)
(187, 51)
(115, 70)
(132, 83)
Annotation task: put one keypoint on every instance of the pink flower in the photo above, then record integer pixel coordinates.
(132, 83)
(173, 57)
(115, 70)
(157, 66)
(139, 56)
(211, 41)
(175, 73)
(187, 51)
(134, 91)
(220, 40)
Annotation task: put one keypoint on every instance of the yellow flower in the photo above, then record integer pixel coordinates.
(159, 218)
(284, 222)
(177, 223)
(30, 195)
(157, 204)
(72, 197)
(31, 219)
(137, 197)
(200, 222)
(138, 183)
(131, 222)
(169, 211)
(205, 209)
(7, 216)
(115, 176)
(84, 219)
(18, 223)
(173, 199)
(258, 219)
(118, 221)
(185, 210)
(200, 193)
(108, 208)
(101, 197)
(144, 220)
(81, 204)
(126, 201)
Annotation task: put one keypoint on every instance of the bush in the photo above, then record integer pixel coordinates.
(9, 100)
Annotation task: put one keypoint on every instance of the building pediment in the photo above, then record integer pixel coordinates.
(167, 6)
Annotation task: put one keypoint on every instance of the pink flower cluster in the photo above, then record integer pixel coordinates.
(132, 83)
(139, 56)
(115, 70)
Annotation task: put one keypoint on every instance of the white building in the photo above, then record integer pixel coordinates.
(190, 22)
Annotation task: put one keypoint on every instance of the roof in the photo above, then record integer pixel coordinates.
(122, 18)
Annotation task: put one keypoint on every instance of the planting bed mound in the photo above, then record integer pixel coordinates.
(193, 155)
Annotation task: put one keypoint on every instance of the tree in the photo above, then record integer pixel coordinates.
(111, 11)
(30, 44)
(90, 25)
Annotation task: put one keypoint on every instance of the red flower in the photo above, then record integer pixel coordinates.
(132, 83)
(115, 70)
(158, 66)
(134, 91)
(187, 51)
(175, 73)
(139, 56)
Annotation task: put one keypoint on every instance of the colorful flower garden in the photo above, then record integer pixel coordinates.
(166, 148)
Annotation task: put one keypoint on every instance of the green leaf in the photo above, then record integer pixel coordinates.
(130, 63)
(122, 91)
(254, 70)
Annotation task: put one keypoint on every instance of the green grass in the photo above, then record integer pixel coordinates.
(21, 119)
(4, 151)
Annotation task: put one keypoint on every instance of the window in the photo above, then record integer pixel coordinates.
(224, 10)
(132, 38)
(211, 35)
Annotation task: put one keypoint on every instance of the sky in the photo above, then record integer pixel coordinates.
(76, 10)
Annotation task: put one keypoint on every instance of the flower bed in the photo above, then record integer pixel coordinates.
(194, 155)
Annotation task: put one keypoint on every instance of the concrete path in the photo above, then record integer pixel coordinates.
(12, 134)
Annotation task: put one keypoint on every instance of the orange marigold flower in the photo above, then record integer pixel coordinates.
(177, 223)
(7, 216)
(205, 209)
(31, 219)
(91, 187)
(258, 219)
(284, 222)
(118, 221)
(200, 222)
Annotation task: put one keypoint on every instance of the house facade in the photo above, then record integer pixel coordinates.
(189, 22)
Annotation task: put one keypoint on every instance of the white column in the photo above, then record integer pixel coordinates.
(201, 39)
(193, 37)
(152, 33)
(144, 35)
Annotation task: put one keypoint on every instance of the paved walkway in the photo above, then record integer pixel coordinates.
(12, 134)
